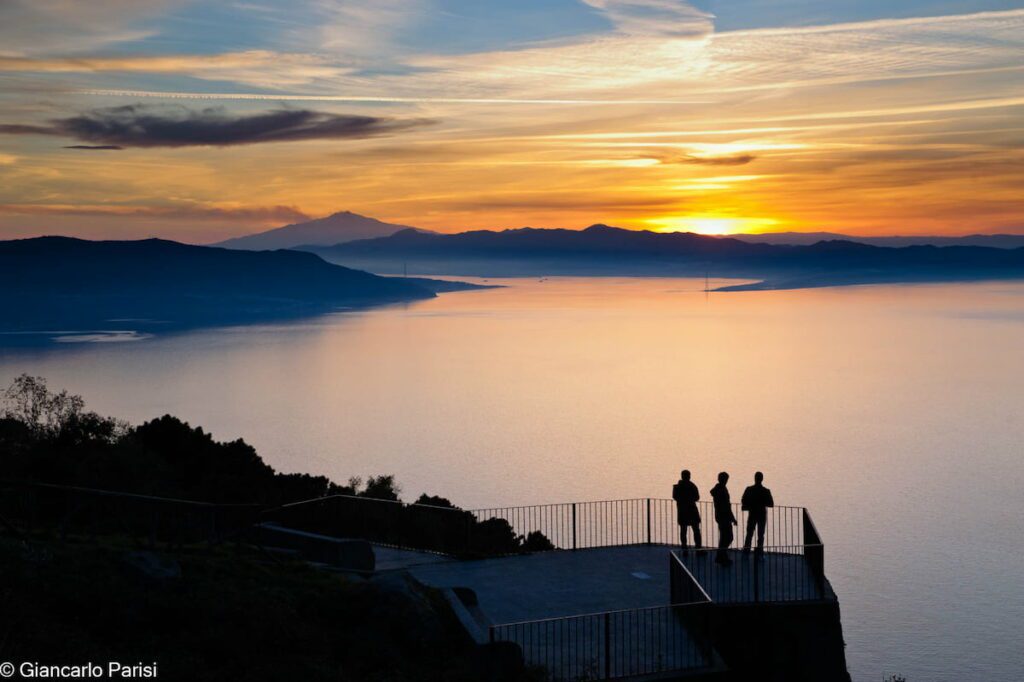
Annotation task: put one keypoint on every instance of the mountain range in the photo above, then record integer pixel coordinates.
(51, 283)
(605, 250)
(334, 229)
(346, 226)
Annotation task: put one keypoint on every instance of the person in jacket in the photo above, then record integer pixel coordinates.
(724, 518)
(685, 493)
(755, 501)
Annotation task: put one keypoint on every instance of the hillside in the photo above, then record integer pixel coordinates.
(65, 283)
(334, 229)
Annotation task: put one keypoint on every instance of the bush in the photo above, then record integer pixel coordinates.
(50, 438)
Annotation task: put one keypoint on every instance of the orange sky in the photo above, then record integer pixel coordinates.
(907, 125)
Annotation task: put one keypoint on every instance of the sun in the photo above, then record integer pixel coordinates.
(712, 226)
(709, 225)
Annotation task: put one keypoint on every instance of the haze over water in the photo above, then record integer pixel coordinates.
(895, 414)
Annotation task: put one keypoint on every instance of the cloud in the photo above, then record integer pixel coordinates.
(383, 99)
(625, 66)
(666, 53)
(654, 17)
(562, 200)
(19, 129)
(39, 26)
(255, 67)
(137, 125)
(734, 160)
(654, 159)
(184, 211)
(95, 147)
(363, 28)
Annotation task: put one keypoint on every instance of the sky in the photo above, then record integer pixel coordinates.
(199, 121)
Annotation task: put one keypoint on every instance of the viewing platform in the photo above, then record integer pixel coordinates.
(584, 590)
(602, 590)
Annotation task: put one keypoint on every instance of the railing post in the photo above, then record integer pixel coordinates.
(648, 520)
(607, 646)
(574, 525)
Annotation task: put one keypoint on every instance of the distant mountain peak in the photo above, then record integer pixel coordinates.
(601, 227)
(337, 228)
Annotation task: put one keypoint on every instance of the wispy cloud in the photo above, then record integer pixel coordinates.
(654, 17)
(259, 214)
(664, 51)
(137, 125)
(383, 99)
(30, 27)
(264, 68)
(364, 29)
(733, 160)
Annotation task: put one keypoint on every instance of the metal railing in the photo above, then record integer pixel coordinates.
(646, 520)
(614, 644)
(41, 509)
(386, 522)
(450, 530)
(776, 574)
(505, 530)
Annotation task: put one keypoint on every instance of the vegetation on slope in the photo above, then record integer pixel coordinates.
(226, 615)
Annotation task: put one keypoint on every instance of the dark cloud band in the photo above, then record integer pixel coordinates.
(736, 160)
(137, 125)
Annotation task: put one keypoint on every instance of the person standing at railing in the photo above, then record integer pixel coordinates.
(685, 493)
(755, 501)
(724, 518)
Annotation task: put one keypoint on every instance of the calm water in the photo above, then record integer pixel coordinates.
(896, 414)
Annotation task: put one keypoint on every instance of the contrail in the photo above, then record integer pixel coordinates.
(354, 98)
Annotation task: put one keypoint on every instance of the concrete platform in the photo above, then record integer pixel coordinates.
(588, 613)
(552, 605)
(564, 583)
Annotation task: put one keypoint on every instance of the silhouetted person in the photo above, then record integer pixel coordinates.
(755, 501)
(685, 493)
(724, 518)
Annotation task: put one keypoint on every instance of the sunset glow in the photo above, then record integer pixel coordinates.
(128, 121)
(711, 225)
